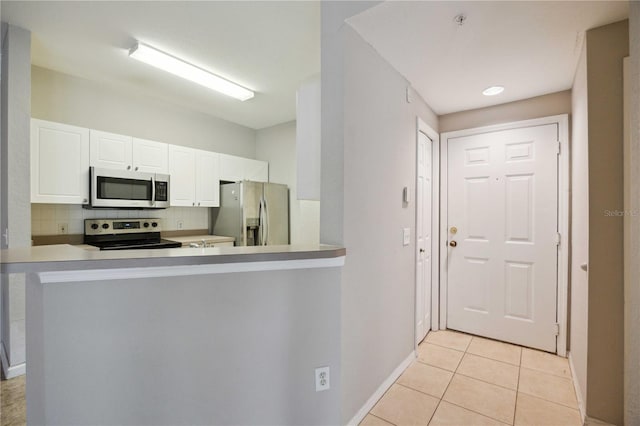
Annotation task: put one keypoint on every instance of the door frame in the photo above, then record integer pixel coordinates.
(423, 127)
(563, 214)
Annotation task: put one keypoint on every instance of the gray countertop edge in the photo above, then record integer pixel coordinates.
(326, 252)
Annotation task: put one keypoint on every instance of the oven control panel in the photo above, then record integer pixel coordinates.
(121, 226)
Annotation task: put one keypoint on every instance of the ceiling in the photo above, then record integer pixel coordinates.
(269, 47)
(531, 48)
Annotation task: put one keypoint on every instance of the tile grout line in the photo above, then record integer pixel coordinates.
(481, 356)
(476, 412)
(418, 390)
(515, 407)
(488, 383)
(445, 391)
(378, 417)
(548, 374)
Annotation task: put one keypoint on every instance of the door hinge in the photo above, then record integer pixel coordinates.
(559, 145)
(558, 238)
(556, 329)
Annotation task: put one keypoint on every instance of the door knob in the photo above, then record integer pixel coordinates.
(421, 250)
(453, 243)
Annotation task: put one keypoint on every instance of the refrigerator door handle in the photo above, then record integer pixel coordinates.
(266, 222)
(263, 223)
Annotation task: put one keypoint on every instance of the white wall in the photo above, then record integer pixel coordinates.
(73, 100)
(579, 226)
(277, 145)
(369, 155)
(540, 106)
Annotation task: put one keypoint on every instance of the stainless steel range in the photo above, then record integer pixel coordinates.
(125, 234)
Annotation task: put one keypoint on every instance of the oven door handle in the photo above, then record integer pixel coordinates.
(153, 190)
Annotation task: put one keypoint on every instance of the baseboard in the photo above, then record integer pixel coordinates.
(581, 406)
(361, 414)
(10, 372)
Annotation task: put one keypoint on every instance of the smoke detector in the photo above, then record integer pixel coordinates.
(460, 19)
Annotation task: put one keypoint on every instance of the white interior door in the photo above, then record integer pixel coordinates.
(424, 238)
(503, 221)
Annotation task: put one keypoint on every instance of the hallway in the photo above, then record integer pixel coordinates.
(459, 379)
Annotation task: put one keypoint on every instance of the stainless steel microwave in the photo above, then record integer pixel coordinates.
(128, 189)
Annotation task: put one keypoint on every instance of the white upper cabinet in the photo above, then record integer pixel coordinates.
(195, 177)
(150, 156)
(62, 154)
(59, 163)
(207, 179)
(235, 169)
(111, 151)
(182, 171)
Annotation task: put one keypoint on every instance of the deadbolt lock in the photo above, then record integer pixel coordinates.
(453, 230)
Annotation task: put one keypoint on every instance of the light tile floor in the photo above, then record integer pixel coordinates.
(466, 380)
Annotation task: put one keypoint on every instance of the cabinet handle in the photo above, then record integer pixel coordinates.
(128, 167)
(136, 168)
(85, 201)
(193, 204)
(198, 202)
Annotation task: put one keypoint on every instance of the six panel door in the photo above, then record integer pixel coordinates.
(503, 204)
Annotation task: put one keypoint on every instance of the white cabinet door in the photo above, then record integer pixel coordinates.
(59, 163)
(110, 151)
(150, 156)
(182, 171)
(231, 168)
(207, 179)
(256, 170)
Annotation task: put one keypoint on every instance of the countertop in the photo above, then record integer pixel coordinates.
(65, 257)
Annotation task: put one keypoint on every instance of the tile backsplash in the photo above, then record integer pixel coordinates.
(51, 219)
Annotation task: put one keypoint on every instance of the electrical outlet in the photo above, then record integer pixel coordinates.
(63, 228)
(323, 379)
(406, 236)
(180, 224)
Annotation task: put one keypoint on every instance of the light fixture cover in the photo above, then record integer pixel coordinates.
(493, 90)
(175, 66)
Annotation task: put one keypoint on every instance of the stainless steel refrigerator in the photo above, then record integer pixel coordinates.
(255, 213)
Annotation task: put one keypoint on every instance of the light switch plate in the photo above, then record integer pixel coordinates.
(406, 236)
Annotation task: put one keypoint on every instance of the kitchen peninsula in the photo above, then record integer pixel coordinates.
(228, 335)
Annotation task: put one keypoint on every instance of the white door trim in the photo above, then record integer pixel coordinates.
(563, 215)
(423, 127)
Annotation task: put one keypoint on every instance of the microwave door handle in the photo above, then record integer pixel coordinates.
(153, 190)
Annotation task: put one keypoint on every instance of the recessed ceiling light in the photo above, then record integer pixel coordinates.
(493, 90)
(175, 66)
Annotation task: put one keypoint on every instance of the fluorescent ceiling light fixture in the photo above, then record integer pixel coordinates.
(175, 66)
(493, 90)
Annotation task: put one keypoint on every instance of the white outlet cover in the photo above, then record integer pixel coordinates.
(406, 236)
(323, 379)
